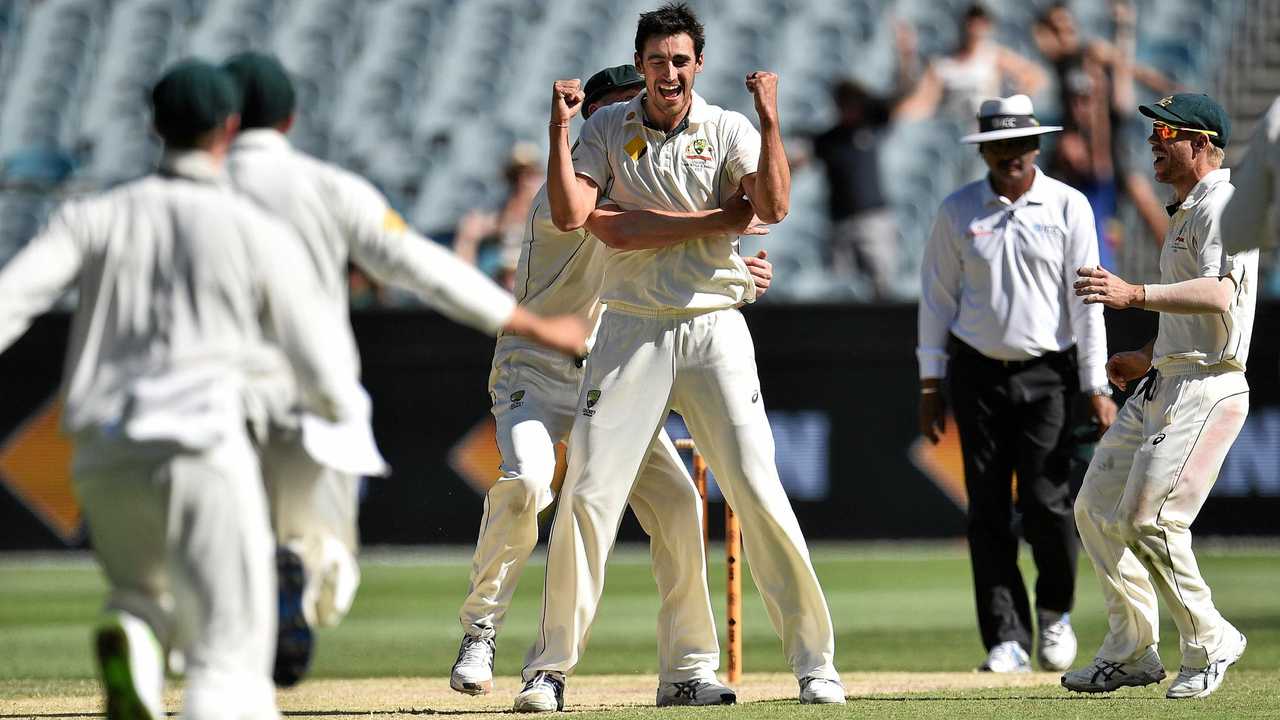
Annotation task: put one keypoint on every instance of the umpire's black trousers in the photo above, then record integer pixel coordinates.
(1015, 417)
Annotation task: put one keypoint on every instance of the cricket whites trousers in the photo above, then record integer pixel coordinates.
(1147, 482)
(315, 512)
(186, 546)
(535, 393)
(702, 366)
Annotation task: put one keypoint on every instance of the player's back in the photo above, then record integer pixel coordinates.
(170, 304)
(558, 272)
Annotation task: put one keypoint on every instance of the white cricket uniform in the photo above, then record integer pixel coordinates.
(673, 339)
(1252, 217)
(1155, 466)
(177, 277)
(535, 393)
(342, 218)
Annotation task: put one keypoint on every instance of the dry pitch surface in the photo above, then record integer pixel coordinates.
(393, 698)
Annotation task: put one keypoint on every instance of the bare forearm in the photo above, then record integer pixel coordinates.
(569, 210)
(1201, 296)
(772, 196)
(649, 229)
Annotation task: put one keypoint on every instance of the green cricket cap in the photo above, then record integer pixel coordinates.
(267, 91)
(1195, 111)
(608, 80)
(192, 98)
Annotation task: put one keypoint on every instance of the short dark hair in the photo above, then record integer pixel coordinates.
(673, 18)
(976, 11)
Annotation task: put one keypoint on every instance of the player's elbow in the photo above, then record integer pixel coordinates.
(773, 213)
(567, 221)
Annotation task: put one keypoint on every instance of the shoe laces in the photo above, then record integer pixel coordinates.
(476, 650)
(1053, 633)
(546, 678)
(805, 682)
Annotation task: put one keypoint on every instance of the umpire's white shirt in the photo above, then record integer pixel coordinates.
(999, 276)
(175, 274)
(1193, 249)
(696, 168)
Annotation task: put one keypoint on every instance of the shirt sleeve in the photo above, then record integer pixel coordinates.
(941, 273)
(1249, 220)
(1210, 252)
(384, 246)
(590, 153)
(33, 280)
(1088, 324)
(742, 147)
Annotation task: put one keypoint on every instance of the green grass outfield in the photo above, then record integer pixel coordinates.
(897, 608)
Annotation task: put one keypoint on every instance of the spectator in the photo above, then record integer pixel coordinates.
(1095, 81)
(978, 69)
(864, 233)
(504, 229)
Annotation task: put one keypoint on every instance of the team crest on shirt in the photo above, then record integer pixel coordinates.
(1179, 243)
(517, 399)
(593, 397)
(700, 154)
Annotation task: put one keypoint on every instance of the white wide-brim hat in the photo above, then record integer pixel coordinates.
(1006, 118)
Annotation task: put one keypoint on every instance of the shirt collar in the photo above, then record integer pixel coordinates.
(260, 139)
(699, 112)
(195, 165)
(1200, 191)
(1037, 194)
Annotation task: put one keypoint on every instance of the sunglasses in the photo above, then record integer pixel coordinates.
(1167, 132)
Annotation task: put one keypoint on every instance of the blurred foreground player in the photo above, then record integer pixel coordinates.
(176, 274)
(672, 338)
(998, 319)
(1252, 216)
(342, 218)
(535, 392)
(1154, 469)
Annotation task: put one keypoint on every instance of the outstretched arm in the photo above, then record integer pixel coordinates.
(1199, 296)
(36, 277)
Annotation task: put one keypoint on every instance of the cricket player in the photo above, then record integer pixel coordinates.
(1250, 220)
(179, 283)
(672, 338)
(535, 392)
(1156, 465)
(342, 218)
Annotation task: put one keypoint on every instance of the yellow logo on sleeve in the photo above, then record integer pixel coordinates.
(393, 223)
(635, 146)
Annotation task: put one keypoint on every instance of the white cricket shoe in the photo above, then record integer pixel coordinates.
(1057, 647)
(473, 670)
(131, 667)
(1201, 682)
(821, 691)
(698, 691)
(1007, 657)
(544, 693)
(1107, 675)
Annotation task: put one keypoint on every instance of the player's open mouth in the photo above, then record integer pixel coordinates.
(1158, 156)
(669, 92)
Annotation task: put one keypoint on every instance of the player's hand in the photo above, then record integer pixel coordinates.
(740, 217)
(763, 86)
(761, 271)
(1125, 367)
(564, 333)
(1097, 285)
(933, 413)
(566, 100)
(1104, 411)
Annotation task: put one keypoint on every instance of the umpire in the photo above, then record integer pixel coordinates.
(998, 318)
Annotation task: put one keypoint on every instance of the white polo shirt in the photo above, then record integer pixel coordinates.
(999, 276)
(697, 167)
(1193, 249)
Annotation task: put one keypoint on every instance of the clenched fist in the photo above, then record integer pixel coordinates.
(763, 86)
(566, 100)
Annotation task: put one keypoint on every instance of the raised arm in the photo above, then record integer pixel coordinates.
(649, 229)
(572, 196)
(770, 186)
(36, 277)
(1250, 219)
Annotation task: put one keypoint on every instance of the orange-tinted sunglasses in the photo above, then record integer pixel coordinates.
(1167, 132)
